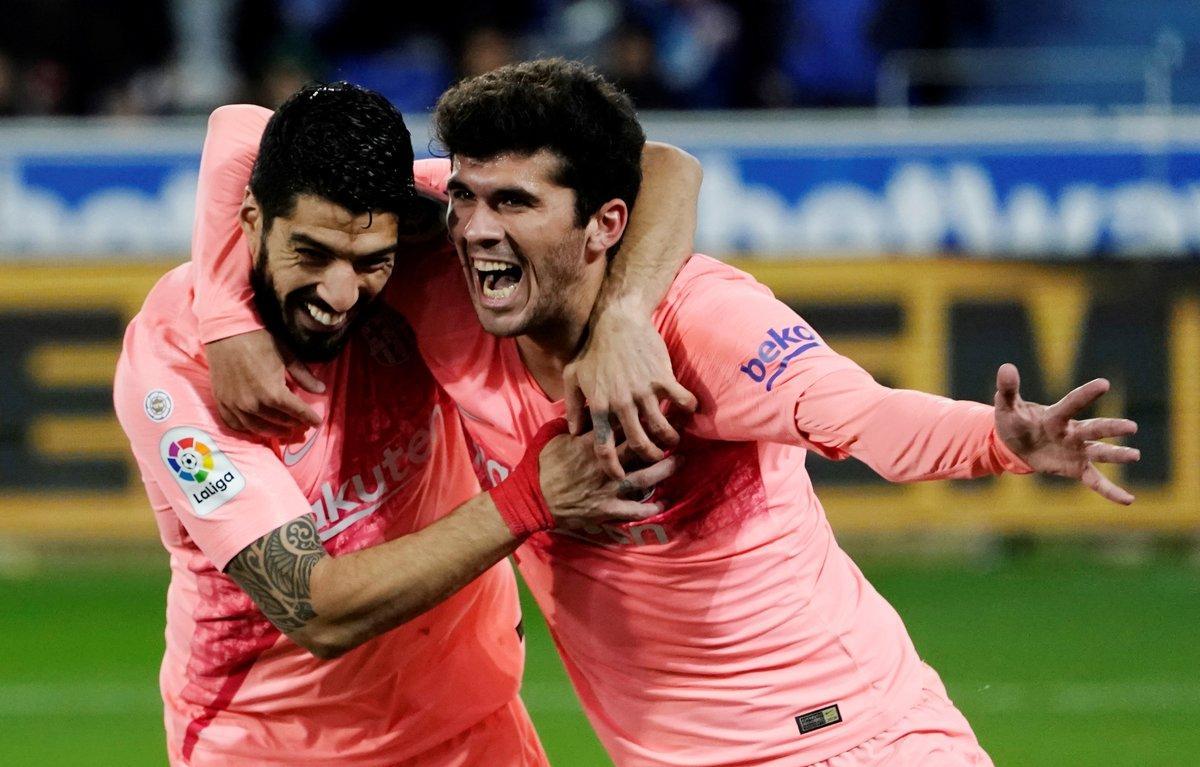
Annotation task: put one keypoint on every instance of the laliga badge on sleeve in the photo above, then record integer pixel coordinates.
(158, 405)
(207, 477)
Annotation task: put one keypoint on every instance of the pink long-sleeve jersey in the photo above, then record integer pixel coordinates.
(730, 629)
(388, 459)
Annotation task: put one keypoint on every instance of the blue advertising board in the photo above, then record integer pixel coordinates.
(1007, 186)
(1014, 201)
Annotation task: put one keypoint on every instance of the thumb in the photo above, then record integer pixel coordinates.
(1008, 386)
(304, 377)
(575, 401)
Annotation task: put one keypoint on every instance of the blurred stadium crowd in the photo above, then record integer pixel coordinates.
(159, 57)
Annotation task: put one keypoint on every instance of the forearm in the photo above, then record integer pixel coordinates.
(659, 237)
(359, 596)
(223, 298)
(916, 436)
(904, 435)
(330, 605)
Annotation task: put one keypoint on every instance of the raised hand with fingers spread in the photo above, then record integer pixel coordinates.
(1051, 441)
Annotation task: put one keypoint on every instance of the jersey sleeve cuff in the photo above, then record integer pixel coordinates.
(1005, 459)
(218, 328)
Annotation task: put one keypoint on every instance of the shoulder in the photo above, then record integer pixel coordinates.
(162, 341)
(703, 283)
(703, 274)
(432, 295)
(166, 314)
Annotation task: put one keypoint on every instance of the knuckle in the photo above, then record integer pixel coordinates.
(630, 485)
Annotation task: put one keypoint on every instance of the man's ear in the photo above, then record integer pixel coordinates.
(607, 226)
(250, 217)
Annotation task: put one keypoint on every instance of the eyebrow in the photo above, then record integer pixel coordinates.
(304, 240)
(517, 192)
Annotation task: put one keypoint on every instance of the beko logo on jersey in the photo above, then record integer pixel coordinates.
(778, 349)
(205, 474)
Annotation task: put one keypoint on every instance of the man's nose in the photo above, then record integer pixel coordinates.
(339, 288)
(483, 227)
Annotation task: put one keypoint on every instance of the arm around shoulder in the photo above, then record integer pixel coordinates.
(623, 369)
(223, 300)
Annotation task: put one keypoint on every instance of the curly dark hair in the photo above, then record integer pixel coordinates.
(340, 142)
(563, 106)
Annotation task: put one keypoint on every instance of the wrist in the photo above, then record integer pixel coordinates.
(222, 329)
(519, 498)
(1004, 457)
(521, 505)
(621, 312)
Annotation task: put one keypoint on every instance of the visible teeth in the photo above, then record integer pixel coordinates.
(491, 266)
(324, 317)
(499, 293)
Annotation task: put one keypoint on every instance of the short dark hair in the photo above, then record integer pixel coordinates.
(563, 106)
(340, 142)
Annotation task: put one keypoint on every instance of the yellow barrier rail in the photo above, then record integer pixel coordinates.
(1057, 301)
(66, 472)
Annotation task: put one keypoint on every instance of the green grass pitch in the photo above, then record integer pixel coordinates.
(1056, 658)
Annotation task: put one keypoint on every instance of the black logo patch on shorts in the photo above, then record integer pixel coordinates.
(815, 720)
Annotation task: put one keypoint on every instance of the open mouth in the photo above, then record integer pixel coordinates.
(320, 319)
(498, 281)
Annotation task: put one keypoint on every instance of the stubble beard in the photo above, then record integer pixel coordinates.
(552, 320)
(278, 320)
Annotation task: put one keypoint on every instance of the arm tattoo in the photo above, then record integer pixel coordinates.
(275, 570)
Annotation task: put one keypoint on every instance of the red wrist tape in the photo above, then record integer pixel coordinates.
(519, 497)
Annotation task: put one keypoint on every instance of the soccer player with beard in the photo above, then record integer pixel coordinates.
(340, 597)
(730, 629)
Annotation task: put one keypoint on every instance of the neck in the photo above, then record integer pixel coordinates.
(547, 350)
(545, 365)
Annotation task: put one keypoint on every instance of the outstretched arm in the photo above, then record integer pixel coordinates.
(330, 605)
(623, 369)
(908, 436)
(762, 374)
